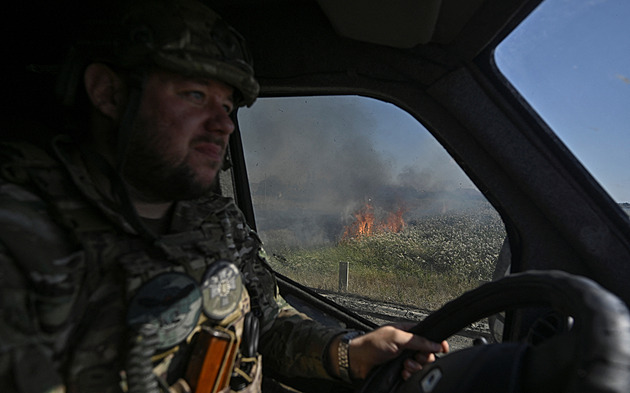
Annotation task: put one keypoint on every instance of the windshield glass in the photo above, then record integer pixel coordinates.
(570, 59)
(353, 195)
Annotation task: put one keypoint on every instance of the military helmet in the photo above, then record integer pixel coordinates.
(183, 36)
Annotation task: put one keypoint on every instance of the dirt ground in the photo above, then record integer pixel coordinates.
(383, 312)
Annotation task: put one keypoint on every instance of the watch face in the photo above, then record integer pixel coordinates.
(171, 304)
(222, 287)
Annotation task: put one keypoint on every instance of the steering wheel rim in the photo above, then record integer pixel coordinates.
(600, 337)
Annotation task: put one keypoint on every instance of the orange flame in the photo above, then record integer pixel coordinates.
(366, 223)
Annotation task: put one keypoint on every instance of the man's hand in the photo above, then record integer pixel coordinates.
(384, 344)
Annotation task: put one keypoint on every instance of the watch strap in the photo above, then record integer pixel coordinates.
(344, 355)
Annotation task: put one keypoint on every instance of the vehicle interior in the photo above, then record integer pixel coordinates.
(432, 59)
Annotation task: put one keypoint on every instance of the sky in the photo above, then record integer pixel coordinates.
(570, 59)
(311, 139)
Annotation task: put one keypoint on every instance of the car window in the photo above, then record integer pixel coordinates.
(570, 59)
(351, 181)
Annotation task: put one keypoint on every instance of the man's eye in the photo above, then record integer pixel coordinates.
(228, 108)
(196, 96)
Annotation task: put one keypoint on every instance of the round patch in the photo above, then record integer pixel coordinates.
(172, 302)
(222, 287)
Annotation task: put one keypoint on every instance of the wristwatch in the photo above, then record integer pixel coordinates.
(344, 355)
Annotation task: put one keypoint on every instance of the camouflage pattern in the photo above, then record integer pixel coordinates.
(183, 36)
(70, 264)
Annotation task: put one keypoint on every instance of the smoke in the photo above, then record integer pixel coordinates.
(319, 154)
(314, 161)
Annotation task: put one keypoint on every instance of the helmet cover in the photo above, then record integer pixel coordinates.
(182, 36)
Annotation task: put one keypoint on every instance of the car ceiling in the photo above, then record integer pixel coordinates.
(422, 40)
(435, 35)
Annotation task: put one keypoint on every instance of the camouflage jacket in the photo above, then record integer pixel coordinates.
(70, 264)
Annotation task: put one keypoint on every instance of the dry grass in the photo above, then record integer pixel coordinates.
(426, 265)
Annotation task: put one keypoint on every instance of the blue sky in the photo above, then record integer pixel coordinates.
(571, 61)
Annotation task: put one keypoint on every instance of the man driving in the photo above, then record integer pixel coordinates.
(120, 268)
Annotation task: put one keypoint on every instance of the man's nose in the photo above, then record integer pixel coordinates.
(219, 121)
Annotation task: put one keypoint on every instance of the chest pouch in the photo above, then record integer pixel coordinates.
(200, 335)
(224, 356)
(212, 359)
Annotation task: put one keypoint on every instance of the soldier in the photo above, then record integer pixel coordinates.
(120, 270)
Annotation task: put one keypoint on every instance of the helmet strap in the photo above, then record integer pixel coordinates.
(126, 127)
(125, 130)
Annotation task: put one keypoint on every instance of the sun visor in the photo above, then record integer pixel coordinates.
(396, 23)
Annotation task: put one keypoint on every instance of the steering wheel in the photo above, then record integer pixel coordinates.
(591, 355)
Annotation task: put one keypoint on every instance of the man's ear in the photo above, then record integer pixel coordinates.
(105, 89)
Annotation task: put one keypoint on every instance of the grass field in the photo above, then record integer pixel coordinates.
(432, 260)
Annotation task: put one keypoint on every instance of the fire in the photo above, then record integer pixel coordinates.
(367, 224)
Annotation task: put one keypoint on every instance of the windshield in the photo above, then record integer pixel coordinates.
(354, 196)
(570, 59)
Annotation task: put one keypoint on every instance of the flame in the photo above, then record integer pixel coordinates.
(394, 221)
(367, 224)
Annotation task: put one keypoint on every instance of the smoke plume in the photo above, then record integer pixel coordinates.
(313, 162)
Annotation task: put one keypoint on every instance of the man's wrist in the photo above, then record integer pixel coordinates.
(343, 355)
